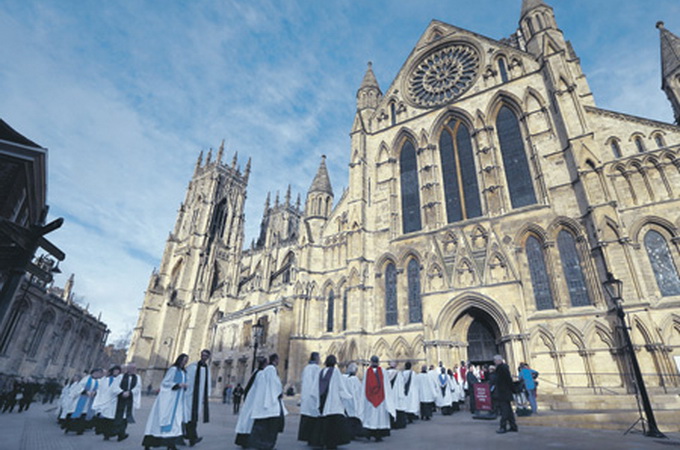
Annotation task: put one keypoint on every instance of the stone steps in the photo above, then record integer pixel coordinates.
(667, 420)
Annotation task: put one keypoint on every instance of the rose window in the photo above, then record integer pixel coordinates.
(443, 75)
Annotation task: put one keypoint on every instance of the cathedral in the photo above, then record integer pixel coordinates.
(488, 199)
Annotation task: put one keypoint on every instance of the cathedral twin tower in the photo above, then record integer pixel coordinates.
(488, 197)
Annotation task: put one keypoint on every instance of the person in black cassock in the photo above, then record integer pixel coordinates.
(504, 390)
(129, 398)
(196, 397)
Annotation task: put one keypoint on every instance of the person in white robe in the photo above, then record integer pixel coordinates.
(129, 398)
(68, 399)
(83, 415)
(457, 392)
(244, 424)
(411, 399)
(354, 405)
(268, 411)
(444, 401)
(377, 404)
(331, 429)
(164, 424)
(398, 397)
(427, 393)
(196, 397)
(105, 402)
(309, 397)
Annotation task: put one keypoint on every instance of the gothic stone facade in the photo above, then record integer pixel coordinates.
(488, 197)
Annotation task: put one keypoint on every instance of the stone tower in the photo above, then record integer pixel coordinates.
(319, 201)
(199, 268)
(670, 68)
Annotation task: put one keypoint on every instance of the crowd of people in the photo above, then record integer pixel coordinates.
(335, 407)
(20, 392)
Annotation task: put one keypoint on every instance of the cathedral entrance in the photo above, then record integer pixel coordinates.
(480, 331)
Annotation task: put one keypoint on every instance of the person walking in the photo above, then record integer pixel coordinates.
(196, 397)
(164, 425)
(528, 377)
(377, 404)
(309, 397)
(504, 390)
(236, 397)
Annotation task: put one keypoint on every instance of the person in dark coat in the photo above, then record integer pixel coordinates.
(504, 390)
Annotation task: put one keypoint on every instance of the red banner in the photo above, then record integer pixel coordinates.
(482, 397)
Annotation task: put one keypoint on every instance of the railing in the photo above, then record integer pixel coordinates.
(666, 383)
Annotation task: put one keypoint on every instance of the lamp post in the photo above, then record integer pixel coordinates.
(257, 334)
(614, 288)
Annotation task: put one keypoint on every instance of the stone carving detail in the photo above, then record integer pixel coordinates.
(443, 75)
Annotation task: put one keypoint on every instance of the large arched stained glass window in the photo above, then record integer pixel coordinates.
(517, 173)
(410, 195)
(539, 274)
(330, 311)
(415, 309)
(573, 272)
(390, 294)
(458, 170)
(665, 272)
(344, 309)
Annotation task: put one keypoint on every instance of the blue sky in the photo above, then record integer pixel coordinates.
(125, 94)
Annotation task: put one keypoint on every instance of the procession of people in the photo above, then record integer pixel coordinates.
(335, 407)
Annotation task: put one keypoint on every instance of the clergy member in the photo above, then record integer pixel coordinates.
(444, 400)
(105, 402)
(164, 425)
(244, 424)
(129, 398)
(268, 411)
(397, 396)
(68, 400)
(354, 405)
(377, 404)
(196, 397)
(309, 397)
(411, 401)
(331, 428)
(83, 415)
(426, 393)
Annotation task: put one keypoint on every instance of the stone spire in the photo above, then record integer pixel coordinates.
(528, 5)
(288, 196)
(68, 288)
(322, 182)
(199, 161)
(220, 152)
(670, 51)
(670, 67)
(369, 92)
(234, 160)
(267, 203)
(246, 174)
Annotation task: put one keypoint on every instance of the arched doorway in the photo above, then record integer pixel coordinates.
(479, 331)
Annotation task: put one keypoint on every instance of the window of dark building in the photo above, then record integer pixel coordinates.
(415, 309)
(517, 173)
(461, 190)
(530, 25)
(502, 69)
(44, 322)
(391, 316)
(640, 145)
(330, 311)
(616, 149)
(663, 266)
(393, 113)
(539, 274)
(573, 270)
(410, 195)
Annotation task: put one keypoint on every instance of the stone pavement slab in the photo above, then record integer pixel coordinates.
(37, 429)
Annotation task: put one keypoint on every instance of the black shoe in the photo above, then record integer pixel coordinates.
(514, 429)
(123, 437)
(501, 431)
(106, 438)
(378, 439)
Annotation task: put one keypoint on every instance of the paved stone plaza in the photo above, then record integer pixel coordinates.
(38, 430)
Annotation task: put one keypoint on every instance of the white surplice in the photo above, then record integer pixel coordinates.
(354, 405)
(377, 418)
(427, 392)
(107, 397)
(443, 391)
(412, 399)
(396, 383)
(167, 413)
(189, 395)
(309, 392)
(338, 393)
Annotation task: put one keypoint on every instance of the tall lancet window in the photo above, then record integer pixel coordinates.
(391, 294)
(344, 309)
(458, 170)
(539, 274)
(517, 173)
(330, 311)
(410, 195)
(415, 309)
(660, 257)
(573, 270)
